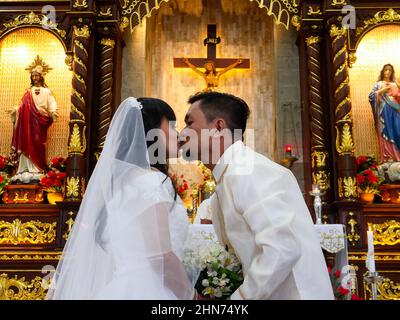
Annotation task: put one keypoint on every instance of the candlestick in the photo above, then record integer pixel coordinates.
(370, 262)
(316, 192)
(373, 278)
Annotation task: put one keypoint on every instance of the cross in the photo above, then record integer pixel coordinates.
(211, 42)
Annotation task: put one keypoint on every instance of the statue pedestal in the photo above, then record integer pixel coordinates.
(22, 193)
(390, 193)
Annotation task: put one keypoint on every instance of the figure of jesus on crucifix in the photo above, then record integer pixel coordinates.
(211, 75)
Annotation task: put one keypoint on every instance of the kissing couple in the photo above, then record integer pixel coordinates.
(129, 236)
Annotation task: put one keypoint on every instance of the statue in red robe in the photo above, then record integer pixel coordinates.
(32, 118)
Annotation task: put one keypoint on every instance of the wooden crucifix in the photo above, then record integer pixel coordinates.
(211, 63)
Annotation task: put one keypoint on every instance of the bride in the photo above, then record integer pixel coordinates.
(127, 241)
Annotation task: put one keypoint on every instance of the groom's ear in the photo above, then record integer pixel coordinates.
(220, 124)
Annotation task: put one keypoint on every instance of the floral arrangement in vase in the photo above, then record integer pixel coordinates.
(368, 179)
(221, 271)
(53, 181)
(181, 185)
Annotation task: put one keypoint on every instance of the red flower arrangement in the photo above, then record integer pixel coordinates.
(3, 182)
(368, 180)
(180, 184)
(340, 292)
(53, 181)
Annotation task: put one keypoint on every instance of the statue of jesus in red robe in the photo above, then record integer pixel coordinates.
(32, 118)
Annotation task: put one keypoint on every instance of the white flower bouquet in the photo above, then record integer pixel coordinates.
(220, 271)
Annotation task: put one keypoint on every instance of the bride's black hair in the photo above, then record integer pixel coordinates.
(154, 111)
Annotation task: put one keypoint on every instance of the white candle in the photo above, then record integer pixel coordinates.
(371, 254)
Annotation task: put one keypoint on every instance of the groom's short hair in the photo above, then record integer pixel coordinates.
(232, 109)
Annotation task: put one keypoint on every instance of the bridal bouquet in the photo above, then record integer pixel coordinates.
(220, 271)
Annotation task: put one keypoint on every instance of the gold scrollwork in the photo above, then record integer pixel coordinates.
(322, 179)
(33, 19)
(34, 232)
(77, 144)
(80, 4)
(123, 24)
(361, 256)
(83, 186)
(353, 236)
(349, 186)
(20, 289)
(69, 223)
(73, 187)
(387, 233)
(105, 12)
(296, 22)
(352, 59)
(387, 290)
(319, 159)
(68, 61)
(107, 42)
(346, 146)
(83, 32)
(314, 12)
(313, 40)
(337, 3)
(382, 16)
(21, 198)
(6, 255)
(337, 32)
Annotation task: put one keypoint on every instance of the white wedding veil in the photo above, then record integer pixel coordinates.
(119, 246)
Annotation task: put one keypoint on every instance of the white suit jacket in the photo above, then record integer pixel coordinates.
(259, 212)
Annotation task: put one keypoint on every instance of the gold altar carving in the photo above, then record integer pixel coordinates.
(387, 233)
(319, 159)
(347, 187)
(347, 144)
(296, 22)
(73, 187)
(380, 17)
(107, 42)
(28, 255)
(20, 289)
(314, 12)
(338, 3)
(362, 256)
(105, 12)
(353, 236)
(80, 4)
(387, 289)
(32, 19)
(322, 179)
(312, 40)
(69, 223)
(33, 232)
(77, 143)
(82, 31)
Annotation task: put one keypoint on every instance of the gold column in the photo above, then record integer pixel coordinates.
(105, 90)
(319, 150)
(346, 169)
(78, 122)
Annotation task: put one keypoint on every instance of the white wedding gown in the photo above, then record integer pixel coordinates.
(128, 238)
(125, 282)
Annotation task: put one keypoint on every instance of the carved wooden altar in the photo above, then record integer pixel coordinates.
(32, 236)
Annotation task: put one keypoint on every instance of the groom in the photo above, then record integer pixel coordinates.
(258, 208)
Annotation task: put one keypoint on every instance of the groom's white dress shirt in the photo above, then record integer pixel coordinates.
(259, 212)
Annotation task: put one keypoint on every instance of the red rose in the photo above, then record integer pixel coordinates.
(355, 297)
(54, 162)
(52, 174)
(1, 179)
(329, 269)
(360, 178)
(368, 172)
(337, 273)
(372, 179)
(343, 291)
(62, 175)
(57, 182)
